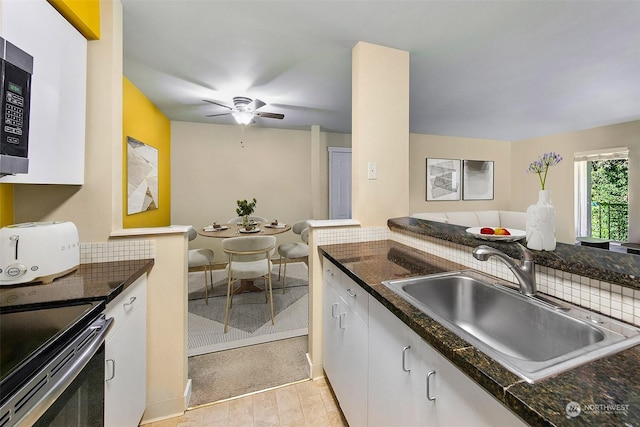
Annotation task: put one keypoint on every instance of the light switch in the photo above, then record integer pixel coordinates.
(371, 171)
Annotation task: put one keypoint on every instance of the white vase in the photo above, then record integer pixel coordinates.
(541, 223)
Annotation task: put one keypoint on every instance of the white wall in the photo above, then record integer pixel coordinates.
(211, 169)
(560, 178)
(380, 135)
(422, 147)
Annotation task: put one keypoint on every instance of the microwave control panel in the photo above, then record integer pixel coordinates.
(14, 132)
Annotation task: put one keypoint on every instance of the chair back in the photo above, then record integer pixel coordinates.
(192, 233)
(249, 248)
(305, 235)
(299, 226)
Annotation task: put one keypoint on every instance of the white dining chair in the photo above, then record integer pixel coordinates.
(249, 258)
(289, 251)
(201, 258)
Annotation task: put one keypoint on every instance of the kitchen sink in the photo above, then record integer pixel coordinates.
(532, 337)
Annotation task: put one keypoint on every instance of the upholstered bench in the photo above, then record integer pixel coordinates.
(506, 219)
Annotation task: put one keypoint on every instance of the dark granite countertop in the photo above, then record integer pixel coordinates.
(607, 389)
(619, 268)
(90, 282)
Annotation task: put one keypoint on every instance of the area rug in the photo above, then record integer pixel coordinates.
(235, 372)
(249, 319)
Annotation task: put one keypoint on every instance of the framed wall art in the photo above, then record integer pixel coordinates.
(443, 179)
(142, 176)
(477, 180)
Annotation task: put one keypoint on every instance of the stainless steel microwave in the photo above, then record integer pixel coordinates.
(16, 68)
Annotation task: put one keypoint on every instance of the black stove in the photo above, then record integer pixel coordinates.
(32, 336)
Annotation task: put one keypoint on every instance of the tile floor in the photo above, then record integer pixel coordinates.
(308, 403)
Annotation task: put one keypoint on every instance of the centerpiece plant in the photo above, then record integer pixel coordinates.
(244, 209)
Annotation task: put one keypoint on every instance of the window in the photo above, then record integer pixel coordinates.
(601, 194)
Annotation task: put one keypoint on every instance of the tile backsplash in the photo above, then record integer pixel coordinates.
(607, 298)
(121, 250)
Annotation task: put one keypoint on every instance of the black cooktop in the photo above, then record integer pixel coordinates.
(30, 335)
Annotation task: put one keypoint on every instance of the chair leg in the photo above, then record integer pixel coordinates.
(206, 287)
(211, 275)
(279, 267)
(271, 298)
(226, 311)
(284, 281)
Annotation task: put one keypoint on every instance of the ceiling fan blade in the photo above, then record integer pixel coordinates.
(216, 115)
(217, 103)
(255, 104)
(266, 115)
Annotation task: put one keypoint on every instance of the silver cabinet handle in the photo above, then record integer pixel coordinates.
(350, 293)
(131, 300)
(342, 315)
(404, 359)
(113, 369)
(333, 310)
(429, 375)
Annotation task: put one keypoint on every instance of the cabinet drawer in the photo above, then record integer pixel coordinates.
(126, 304)
(331, 273)
(352, 293)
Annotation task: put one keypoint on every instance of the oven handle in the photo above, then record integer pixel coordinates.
(102, 325)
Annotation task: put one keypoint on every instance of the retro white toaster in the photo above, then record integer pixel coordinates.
(38, 251)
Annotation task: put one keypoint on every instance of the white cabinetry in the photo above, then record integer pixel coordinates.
(58, 91)
(126, 357)
(418, 386)
(345, 346)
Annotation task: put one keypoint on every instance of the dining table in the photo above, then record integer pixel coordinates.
(237, 230)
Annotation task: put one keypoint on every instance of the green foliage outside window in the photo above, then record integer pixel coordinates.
(609, 199)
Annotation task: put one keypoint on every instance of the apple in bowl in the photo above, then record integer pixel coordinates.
(499, 231)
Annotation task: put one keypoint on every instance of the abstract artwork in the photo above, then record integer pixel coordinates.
(477, 180)
(443, 179)
(142, 176)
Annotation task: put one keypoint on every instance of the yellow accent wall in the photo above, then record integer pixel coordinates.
(6, 204)
(143, 121)
(84, 15)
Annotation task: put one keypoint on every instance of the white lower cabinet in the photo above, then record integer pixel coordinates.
(411, 384)
(126, 357)
(344, 353)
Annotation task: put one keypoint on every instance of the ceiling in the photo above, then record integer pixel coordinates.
(505, 70)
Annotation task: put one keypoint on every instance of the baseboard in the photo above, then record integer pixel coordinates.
(187, 393)
(158, 411)
(309, 366)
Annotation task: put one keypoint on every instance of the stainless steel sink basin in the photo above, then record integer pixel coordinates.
(529, 337)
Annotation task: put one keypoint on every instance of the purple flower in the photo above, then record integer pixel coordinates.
(541, 165)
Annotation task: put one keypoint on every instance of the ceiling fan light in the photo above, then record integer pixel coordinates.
(242, 117)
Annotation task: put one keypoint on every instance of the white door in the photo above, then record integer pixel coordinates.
(339, 183)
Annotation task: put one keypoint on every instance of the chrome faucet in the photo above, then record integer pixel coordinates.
(525, 272)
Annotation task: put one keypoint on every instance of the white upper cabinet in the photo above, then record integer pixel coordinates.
(58, 91)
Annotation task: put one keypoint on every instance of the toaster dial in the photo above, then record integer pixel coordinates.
(15, 270)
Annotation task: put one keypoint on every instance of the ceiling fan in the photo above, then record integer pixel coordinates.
(245, 109)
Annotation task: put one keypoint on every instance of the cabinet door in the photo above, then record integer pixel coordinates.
(397, 372)
(126, 360)
(459, 400)
(345, 356)
(403, 398)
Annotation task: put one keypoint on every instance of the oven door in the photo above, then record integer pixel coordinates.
(82, 402)
(68, 387)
